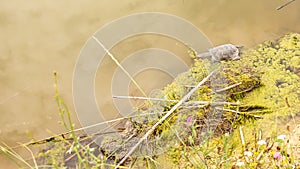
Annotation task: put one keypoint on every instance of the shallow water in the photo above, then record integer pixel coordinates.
(39, 37)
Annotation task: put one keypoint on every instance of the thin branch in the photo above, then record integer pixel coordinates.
(194, 106)
(166, 100)
(227, 88)
(285, 4)
(120, 66)
(143, 98)
(186, 97)
(189, 86)
(220, 90)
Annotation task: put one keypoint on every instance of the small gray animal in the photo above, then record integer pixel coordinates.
(223, 52)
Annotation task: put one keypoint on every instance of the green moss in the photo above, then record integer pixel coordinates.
(278, 63)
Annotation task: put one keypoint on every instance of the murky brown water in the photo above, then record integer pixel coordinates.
(39, 37)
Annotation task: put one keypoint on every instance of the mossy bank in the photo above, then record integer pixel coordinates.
(246, 101)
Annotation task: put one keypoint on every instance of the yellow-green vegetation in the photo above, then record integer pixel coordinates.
(270, 82)
(277, 64)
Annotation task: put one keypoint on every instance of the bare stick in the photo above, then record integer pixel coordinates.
(229, 87)
(166, 100)
(220, 90)
(143, 98)
(194, 106)
(186, 97)
(285, 4)
(120, 66)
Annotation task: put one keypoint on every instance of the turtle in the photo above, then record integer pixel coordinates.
(223, 52)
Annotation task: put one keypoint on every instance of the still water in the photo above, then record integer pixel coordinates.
(39, 37)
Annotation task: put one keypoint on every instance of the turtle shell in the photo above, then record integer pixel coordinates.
(224, 52)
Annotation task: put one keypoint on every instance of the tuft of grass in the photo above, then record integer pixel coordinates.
(16, 158)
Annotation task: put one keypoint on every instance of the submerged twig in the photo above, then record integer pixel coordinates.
(186, 97)
(285, 4)
(14, 95)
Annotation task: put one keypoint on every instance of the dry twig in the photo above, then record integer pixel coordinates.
(186, 103)
(285, 4)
